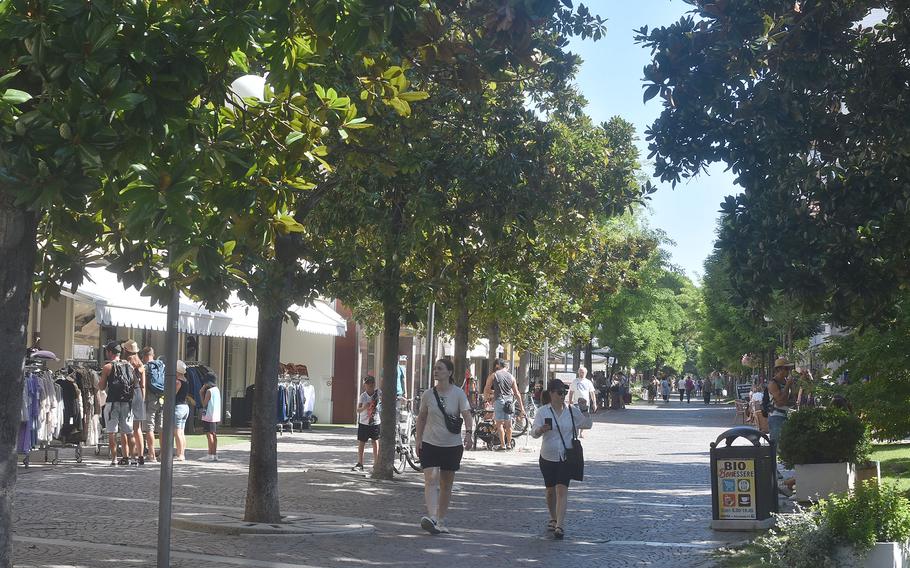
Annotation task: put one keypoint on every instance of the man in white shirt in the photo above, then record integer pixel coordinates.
(582, 393)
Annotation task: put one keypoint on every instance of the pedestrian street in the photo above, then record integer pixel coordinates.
(645, 501)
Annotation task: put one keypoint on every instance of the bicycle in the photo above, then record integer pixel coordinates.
(405, 436)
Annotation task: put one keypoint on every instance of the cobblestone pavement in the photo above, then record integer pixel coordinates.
(645, 502)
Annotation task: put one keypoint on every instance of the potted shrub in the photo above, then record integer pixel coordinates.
(866, 528)
(871, 525)
(822, 444)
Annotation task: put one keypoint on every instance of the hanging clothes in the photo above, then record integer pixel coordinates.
(309, 393)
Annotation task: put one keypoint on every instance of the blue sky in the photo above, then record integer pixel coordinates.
(610, 78)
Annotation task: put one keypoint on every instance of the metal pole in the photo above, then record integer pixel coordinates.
(167, 432)
(546, 362)
(431, 342)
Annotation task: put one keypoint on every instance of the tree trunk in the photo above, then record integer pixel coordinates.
(388, 416)
(262, 505)
(493, 339)
(576, 356)
(461, 339)
(524, 367)
(18, 244)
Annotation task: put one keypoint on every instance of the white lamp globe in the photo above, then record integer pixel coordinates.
(246, 86)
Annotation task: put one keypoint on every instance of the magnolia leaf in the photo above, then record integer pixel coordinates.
(412, 96)
(15, 97)
(293, 137)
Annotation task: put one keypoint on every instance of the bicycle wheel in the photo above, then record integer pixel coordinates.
(413, 459)
(519, 425)
(400, 459)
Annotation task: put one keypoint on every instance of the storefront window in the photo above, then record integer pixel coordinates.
(87, 332)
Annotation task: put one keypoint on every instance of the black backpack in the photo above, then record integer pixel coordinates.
(765, 402)
(120, 382)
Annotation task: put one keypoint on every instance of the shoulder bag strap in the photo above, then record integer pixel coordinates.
(556, 421)
(439, 402)
(574, 431)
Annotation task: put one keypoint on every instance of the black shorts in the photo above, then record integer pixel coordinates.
(443, 457)
(210, 427)
(554, 473)
(367, 432)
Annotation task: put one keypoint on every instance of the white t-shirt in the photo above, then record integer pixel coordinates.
(552, 448)
(582, 389)
(365, 399)
(454, 401)
(758, 396)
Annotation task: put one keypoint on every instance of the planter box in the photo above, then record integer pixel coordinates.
(882, 555)
(868, 470)
(816, 481)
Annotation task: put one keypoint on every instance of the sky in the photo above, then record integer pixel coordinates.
(610, 78)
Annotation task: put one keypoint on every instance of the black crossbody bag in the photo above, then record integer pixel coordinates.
(453, 423)
(575, 456)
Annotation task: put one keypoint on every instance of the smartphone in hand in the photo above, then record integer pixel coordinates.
(548, 422)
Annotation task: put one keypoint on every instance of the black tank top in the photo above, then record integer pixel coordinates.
(180, 398)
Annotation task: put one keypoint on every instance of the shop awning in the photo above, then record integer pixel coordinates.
(126, 307)
(318, 319)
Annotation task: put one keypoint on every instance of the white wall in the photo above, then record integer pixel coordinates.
(317, 352)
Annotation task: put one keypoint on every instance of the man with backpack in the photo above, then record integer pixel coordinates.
(117, 381)
(154, 398)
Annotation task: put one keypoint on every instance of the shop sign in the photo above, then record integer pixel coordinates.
(736, 488)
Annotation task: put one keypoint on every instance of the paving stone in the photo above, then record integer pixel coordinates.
(645, 502)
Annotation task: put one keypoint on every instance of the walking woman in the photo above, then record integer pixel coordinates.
(557, 423)
(439, 443)
(181, 412)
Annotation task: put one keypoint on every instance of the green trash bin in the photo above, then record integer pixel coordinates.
(743, 481)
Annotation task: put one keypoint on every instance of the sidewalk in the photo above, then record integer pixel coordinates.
(645, 501)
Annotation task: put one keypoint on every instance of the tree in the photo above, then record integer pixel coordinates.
(805, 104)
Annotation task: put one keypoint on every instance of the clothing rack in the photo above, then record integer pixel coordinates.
(49, 441)
(297, 418)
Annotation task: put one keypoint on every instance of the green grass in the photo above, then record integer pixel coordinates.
(743, 556)
(197, 441)
(895, 463)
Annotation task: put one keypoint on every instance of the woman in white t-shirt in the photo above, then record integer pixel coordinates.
(440, 449)
(555, 423)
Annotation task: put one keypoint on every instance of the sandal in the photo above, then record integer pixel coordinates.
(558, 533)
(551, 525)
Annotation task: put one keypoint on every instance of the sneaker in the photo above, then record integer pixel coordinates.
(442, 528)
(214, 457)
(359, 467)
(123, 461)
(141, 460)
(429, 525)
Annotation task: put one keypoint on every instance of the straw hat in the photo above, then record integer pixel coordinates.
(783, 362)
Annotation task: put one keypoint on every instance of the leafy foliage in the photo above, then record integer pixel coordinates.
(875, 357)
(872, 513)
(823, 435)
(805, 103)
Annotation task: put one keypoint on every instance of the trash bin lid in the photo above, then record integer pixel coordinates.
(754, 435)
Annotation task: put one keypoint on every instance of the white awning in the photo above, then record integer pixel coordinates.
(318, 319)
(321, 319)
(126, 307)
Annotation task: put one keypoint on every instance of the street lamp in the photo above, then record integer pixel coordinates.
(247, 86)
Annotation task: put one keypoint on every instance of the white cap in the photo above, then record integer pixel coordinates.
(181, 367)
